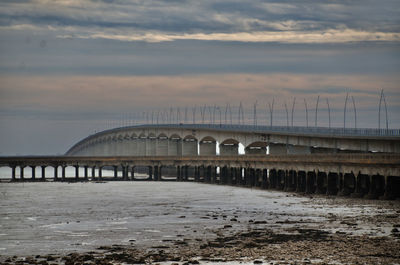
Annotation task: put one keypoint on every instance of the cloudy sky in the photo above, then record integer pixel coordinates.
(69, 68)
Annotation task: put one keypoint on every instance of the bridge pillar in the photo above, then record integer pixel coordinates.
(290, 180)
(43, 172)
(63, 173)
(264, 178)
(281, 179)
(310, 182)
(150, 173)
(76, 172)
(178, 173)
(86, 172)
(321, 182)
(376, 187)
(133, 173)
(301, 181)
(197, 174)
(155, 170)
(100, 173)
(93, 172)
(33, 172)
(21, 170)
(360, 186)
(56, 173)
(115, 172)
(392, 187)
(13, 173)
(185, 173)
(272, 178)
(214, 174)
(332, 183)
(348, 185)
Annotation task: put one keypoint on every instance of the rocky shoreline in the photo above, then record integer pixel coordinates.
(331, 230)
(256, 241)
(257, 245)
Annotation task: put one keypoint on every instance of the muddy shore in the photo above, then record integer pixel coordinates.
(340, 231)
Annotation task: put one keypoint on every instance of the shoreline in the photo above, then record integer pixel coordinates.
(339, 230)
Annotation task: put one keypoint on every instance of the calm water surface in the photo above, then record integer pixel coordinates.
(51, 217)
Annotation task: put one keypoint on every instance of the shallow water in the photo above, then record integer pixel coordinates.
(50, 217)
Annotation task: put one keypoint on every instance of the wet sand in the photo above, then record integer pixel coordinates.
(189, 226)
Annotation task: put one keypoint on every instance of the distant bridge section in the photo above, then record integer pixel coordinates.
(221, 139)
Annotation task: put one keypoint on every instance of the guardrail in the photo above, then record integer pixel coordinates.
(323, 131)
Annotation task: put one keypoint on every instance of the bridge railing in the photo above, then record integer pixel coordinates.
(288, 129)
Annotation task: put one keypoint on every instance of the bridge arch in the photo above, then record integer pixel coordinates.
(256, 148)
(190, 145)
(208, 146)
(229, 147)
(162, 145)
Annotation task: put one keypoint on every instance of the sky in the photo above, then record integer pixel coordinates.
(70, 68)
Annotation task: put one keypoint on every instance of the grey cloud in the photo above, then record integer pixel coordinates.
(208, 16)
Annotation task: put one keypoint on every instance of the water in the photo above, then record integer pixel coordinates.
(51, 217)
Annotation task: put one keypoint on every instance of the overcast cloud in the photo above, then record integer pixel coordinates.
(79, 64)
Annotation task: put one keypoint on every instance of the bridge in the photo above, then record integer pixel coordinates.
(369, 175)
(356, 162)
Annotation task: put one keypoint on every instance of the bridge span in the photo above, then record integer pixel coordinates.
(371, 175)
(222, 139)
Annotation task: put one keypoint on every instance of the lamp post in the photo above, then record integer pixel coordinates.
(287, 115)
(329, 113)
(294, 102)
(379, 113)
(345, 107)
(316, 112)
(271, 110)
(355, 112)
(255, 114)
(305, 104)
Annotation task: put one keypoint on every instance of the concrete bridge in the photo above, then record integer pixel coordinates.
(213, 139)
(372, 175)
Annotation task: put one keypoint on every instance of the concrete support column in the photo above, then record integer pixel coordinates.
(115, 172)
(150, 173)
(281, 179)
(213, 174)
(196, 177)
(389, 192)
(86, 172)
(156, 176)
(93, 175)
(310, 182)
(358, 191)
(321, 183)
(186, 173)
(21, 169)
(264, 182)
(33, 172)
(43, 172)
(133, 173)
(349, 184)
(332, 185)
(178, 174)
(55, 173)
(76, 172)
(376, 187)
(301, 181)
(63, 173)
(13, 173)
(100, 173)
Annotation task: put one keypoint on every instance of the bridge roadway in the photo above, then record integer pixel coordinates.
(213, 139)
(372, 175)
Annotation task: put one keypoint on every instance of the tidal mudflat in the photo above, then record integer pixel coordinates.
(182, 222)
